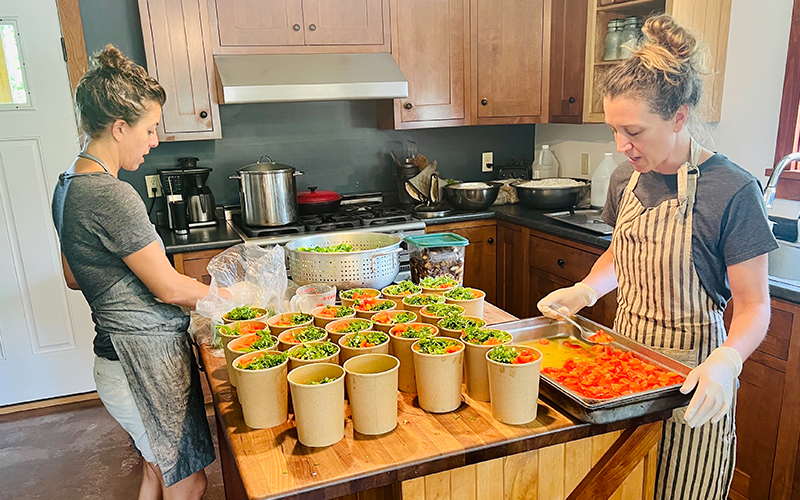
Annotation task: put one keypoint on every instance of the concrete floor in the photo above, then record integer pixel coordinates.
(75, 451)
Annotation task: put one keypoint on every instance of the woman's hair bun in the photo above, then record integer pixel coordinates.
(112, 58)
(665, 32)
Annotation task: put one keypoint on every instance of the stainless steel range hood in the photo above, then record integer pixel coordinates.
(309, 77)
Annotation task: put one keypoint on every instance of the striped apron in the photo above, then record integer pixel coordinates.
(662, 304)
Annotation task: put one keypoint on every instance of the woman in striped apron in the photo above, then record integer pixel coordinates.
(690, 233)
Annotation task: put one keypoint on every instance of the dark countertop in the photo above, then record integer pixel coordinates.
(200, 238)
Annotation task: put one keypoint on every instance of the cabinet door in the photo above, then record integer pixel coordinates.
(568, 60)
(480, 257)
(510, 51)
(343, 22)
(195, 264)
(178, 49)
(512, 273)
(430, 46)
(260, 22)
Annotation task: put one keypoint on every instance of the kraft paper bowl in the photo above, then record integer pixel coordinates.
(263, 394)
(238, 346)
(371, 381)
(401, 349)
(514, 389)
(472, 307)
(318, 409)
(351, 352)
(438, 378)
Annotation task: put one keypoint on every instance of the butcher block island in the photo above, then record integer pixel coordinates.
(462, 455)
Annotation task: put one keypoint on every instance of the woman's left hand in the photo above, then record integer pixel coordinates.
(715, 380)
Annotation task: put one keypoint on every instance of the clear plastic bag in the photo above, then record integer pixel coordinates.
(253, 275)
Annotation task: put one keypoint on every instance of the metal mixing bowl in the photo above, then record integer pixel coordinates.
(472, 196)
(551, 198)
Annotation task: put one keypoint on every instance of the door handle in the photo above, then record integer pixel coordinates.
(491, 241)
(312, 27)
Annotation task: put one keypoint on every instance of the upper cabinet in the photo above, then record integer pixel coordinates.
(299, 26)
(178, 50)
(567, 60)
(709, 19)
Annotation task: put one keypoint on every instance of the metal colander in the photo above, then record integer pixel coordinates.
(373, 263)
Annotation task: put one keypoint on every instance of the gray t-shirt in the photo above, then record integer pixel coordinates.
(100, 220)
(729, 219)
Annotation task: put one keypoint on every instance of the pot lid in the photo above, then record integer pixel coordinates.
(266, 167)
(313, 195)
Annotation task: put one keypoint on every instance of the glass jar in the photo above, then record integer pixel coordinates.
(631, 32)
(613, 40)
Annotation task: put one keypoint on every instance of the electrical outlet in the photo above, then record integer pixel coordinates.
(152, 182)
(487, 161)
(585, 163)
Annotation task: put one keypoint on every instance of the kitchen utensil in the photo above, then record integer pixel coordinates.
(404, 173)
(472, 195)
(601, 411)
(542, 196)
(425, 211)
(187, 184)
(268, 193)
(412, 149)
(584, 334)
(433, 194)
(316, 201)
(201, 201)
(396, 159)
(373, 263)
(313, 295)
(415, 193)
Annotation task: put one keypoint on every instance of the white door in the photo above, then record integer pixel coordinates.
(45, 329)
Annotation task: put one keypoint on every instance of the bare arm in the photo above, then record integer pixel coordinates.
(751, 306)
(152, 267)
(68, 276)
(602, 278)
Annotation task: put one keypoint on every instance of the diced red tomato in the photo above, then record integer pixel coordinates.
(452, 348)
(544, 341)
(364, 344)
(328, 312)
(601, 337)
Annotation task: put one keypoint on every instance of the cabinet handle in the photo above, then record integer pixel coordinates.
(203, 114)
(560, 262)
(491, 241)
(296, 27)
(484, 102)
(313, 27)
(408, 105)
(572, 100)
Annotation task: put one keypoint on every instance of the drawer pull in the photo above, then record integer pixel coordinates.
(560, 262)
(491, 241)
(408, 105)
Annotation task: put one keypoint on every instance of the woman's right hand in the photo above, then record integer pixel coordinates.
(568, 300)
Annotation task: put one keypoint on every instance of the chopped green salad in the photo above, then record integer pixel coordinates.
(348, 294)
(462, 293)
(372, 305)
(354, 326)
(309, 334)
(424, 299)
(415, 331)
(264, 342)
(393, 319)
(459, 322)
(437, 345)
(485, 336)
(341, 247)
(265, 361)
(403, 288)
(438, 281)
(503, 354)
(442, 309)
(366, 339)
(323, 380)
(308, 352)
(242, 313)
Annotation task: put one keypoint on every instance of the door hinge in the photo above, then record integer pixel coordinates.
(64, 49)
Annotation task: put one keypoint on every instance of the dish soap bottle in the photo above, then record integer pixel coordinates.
(600, 180)
(545, 165)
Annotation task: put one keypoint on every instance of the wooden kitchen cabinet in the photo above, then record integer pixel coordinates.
(709, 19)
(194, 264)
(430, 42)
(177, 45)
(480, 258)
(299, 26)
(510, 59)
(567, 60)
(512, 259)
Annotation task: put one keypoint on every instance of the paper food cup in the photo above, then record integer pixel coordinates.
(318, 409)
(412, 307)
(278, 329)
(386, 327)
(372, 388)
(349, 302)
(233, 351)
(472, 307)
(285, 342)
(335, 336)
(261, 316)
(296, 362)
(456, 334)
(398, 299)
(432, 319)
(439, 379)
(262, 393)
(514, 389)
(368, 314)
(476, 370)
(243, 325)
(401, 349)
(350, 352)
(321, 321)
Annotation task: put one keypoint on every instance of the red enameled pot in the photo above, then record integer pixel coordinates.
(316, 201)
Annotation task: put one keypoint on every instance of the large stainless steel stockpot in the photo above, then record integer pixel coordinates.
(268, 193)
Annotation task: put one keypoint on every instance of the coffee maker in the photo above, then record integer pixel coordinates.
(190, 202)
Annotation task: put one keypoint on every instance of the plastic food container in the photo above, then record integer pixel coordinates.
(436, 255)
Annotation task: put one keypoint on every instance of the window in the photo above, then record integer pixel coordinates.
(12, 82)
(789, 124)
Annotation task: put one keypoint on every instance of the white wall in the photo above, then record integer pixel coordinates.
(747, 131)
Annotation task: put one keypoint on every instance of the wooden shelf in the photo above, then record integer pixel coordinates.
(638, 5)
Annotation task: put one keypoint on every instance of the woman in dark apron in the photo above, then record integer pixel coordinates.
(144, 370)
(690, 233)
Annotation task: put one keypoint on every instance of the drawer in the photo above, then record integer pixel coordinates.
(779, 334)
(564, 261)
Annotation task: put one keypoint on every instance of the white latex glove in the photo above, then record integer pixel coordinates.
(715, 379)
(568, 300)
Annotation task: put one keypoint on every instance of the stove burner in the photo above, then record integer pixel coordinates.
(258, 231)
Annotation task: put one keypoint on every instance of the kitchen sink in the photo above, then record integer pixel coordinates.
(784, 263)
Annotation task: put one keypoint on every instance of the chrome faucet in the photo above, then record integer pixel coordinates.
(769, 191)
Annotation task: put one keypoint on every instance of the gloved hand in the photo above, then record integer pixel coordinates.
(715, 379)
(569, 300)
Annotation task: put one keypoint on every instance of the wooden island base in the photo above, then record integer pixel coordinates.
(462, 455)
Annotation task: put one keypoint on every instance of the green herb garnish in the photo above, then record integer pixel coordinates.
(367, 339)
(437, 345)
(242, 313)
(481, 337)
(348, 294)
(442, 310)
(309, 334)
(341, 247)
(383, 305)
(438, 281)
(309, 352)
(461, 293)
(323, 380)
(265, 361)
(264, 342)
(355, 326)
(503, 354)
(424, 299)
(416, 332)
(459, 322)
(403, 288)
(344, 311)
(400, 317)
